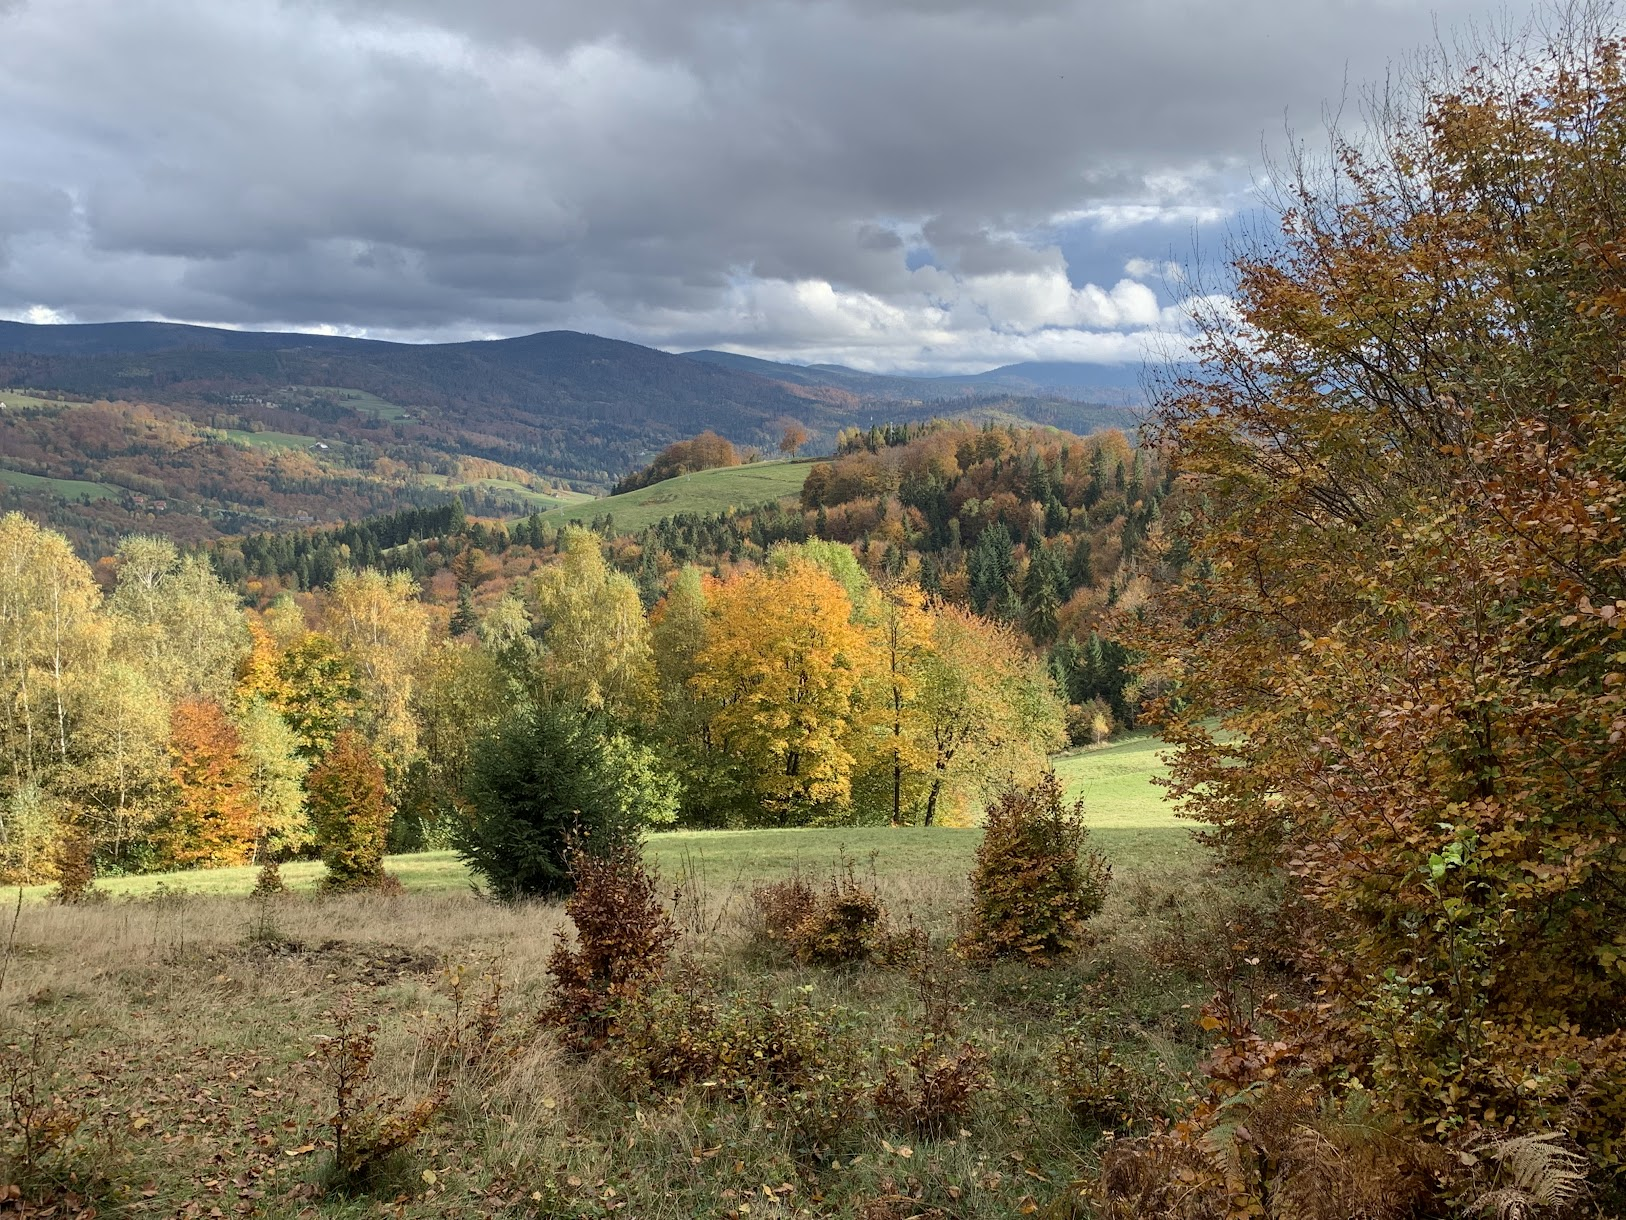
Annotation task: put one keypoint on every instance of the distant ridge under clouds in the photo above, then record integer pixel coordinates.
(887, 185)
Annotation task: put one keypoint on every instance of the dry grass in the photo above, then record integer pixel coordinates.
(180, 1029)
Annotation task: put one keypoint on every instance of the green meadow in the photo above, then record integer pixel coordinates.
(1125, 810)
(705, 492)
(68, 489)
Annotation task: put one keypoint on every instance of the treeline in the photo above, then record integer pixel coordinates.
(1041, 530)
(160, 724)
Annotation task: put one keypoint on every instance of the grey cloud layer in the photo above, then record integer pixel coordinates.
(889, 182)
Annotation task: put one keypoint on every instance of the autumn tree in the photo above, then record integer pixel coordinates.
(1398, 631)
(904, 646)
(350, 812)
(595, 645)
(462, 695)
(212, 819)
(794, 437)
(380, 625)
(176, 619)
(985, 711)
(121, 759)
(784, 666)
(48, 604)
(273, 776)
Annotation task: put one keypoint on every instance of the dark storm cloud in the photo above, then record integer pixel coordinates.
(755, 173)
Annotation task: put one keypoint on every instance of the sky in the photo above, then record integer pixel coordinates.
(898, 185)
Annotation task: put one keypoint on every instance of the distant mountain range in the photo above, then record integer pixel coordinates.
(569, 408)
(1104, 384)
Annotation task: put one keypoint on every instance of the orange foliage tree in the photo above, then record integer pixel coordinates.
(350, 811)
(212, 822)
(1403, 595)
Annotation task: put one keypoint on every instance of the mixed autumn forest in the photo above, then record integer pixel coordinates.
(1360, 572)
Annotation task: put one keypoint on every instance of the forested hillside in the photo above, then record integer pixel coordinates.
(560, 404)
(1042, 530)
(100, 470)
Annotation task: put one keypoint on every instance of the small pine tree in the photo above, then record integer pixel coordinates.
(543, 779)
(463, 620)
(350, 810)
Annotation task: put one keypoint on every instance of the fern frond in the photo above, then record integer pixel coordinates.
(1546, 1174)
(1508, 1203)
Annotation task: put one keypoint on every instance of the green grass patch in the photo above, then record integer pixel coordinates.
(529, 499)
(68, 489)
(705, 492)
(1127, 815)
(271, 440)
(360, 400)
(15, 399)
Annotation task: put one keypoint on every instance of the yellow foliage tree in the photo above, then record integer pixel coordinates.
(596, 650)
(378, 622)
(785, 667)
(905, 647)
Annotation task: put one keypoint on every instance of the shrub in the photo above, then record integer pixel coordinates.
(782, 905)
(1098, 1088)
(843, 925)
(1281, 1148)
(368, 1127)
(795, 1061)
(37, 1122)
(472, 1039)
(1036, 879)
(933, 1089)
(623, 939)
(350, 810)
(75, 869)
(544, 778)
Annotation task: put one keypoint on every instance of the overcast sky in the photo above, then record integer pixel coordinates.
(894, 184)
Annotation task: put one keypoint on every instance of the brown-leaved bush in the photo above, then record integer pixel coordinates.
(1036, 879)
(1397, 610)
(624, 936)
(841, 925)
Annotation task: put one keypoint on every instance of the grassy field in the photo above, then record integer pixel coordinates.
(1127, 815)
(360, 400)
(707, 491)
(14, 399)
(171, 1051)
(68, 489)
(271, 440)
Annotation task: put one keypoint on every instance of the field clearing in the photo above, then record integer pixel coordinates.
(704, 492)
(186, 1029)
(360, 400)
(271, 440)
(14, 399)
(533, 500)
(68, 489)
(1126, 813)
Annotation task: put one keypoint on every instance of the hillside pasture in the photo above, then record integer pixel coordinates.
(17, 400)
(271, 440)
(68, 489)
(359, 400)
(704, 492)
